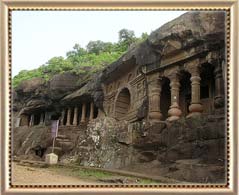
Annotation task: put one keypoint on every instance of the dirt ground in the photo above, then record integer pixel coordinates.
(61, 175)
(23, 175)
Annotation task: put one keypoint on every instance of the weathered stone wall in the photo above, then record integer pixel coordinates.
(101, 146)
(135, 82)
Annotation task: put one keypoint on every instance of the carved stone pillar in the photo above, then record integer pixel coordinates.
(174, 111)
(31, 123)
(219, 87)
(75, 121)
(63, 116)
(195, 107)
(41, 119)
(83, 113)
(91, 110)
(154, 82)
(68, 120)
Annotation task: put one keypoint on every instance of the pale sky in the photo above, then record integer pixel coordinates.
(38, 36)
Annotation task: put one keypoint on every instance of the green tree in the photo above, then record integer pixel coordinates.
(144, 36)
(95, 47)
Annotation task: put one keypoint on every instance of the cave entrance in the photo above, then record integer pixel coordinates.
(65, 117)
(207, 87)
(165, 97)
(56, 116)
(39, 151)
(185, 93)
(72, 116)
(122, 104)
(37, 118)
(95, 112)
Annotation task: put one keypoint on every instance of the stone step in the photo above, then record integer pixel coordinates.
(63, 141)
(61, 136)
(65, 146)
(32, 163)
(75, 129)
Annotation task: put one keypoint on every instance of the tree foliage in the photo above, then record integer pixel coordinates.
(95, 57)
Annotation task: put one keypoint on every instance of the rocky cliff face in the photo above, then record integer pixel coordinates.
(196, 26)
(175, 150)
(36, 93)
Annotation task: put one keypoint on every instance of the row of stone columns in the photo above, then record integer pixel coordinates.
(195, 107)
(174, 111)
(32, 119)
(75, 115)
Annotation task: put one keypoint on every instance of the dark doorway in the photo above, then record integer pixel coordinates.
(165, 100)
(95, 112)
(207, 87)
(65, 117)
(37, 118)
(185, 93)
(55, 116)
(72, 116)
(122, 104)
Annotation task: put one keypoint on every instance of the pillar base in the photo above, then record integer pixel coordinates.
(195, 107)
(172, 118)
(174, 112)
(155, 116)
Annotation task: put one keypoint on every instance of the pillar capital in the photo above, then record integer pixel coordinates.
(155, 84)
(193, 67)
(154, 77)
(172, 73)
(213, 57)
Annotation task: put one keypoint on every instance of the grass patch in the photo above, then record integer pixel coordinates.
(82, 173)
(97, 175)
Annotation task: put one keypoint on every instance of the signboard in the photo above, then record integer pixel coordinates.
(54, 128)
